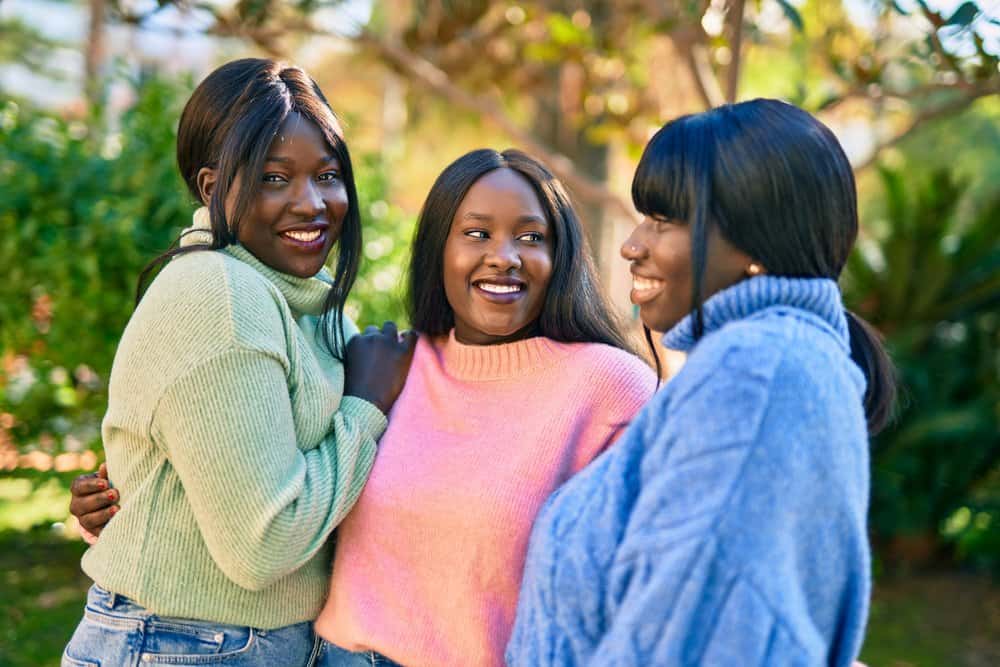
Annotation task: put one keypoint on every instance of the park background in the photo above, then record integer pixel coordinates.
(90, 92)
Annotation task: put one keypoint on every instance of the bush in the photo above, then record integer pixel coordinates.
(928, 276)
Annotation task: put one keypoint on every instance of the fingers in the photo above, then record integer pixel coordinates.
(84, 485)
(409, 339)
(389, 330)
(102, 471)
(370, 329)
(82, 505)
(94, 522)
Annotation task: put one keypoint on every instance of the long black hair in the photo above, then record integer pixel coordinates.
(576, 310)
(228, 125)
(777, 185)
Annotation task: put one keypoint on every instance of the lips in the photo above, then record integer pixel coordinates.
(307, 238)
(500, 289)
(645, 289)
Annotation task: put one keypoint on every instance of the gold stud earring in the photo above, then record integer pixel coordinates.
(754, 269)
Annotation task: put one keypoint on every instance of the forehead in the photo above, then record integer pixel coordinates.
(499, 192)
(298, 134)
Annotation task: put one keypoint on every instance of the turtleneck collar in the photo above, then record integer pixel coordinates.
(818, 296)
(305, 296)
(499, 362)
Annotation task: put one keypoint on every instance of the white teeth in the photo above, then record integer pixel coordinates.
(498, 289)
(306, 237)
(642, 284)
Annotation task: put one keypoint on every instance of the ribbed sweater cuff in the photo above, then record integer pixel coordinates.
(367, 416)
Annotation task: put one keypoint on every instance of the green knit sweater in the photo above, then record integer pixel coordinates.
(233, 447)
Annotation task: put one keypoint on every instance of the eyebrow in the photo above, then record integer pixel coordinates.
(486, 217)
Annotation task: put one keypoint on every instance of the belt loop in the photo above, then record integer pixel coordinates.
(112, 598)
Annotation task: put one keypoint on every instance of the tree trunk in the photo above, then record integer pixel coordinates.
(94, 54)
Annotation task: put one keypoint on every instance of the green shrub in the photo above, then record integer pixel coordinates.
(928, 275)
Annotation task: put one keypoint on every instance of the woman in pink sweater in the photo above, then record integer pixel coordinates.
(520, 378)
(518, 381)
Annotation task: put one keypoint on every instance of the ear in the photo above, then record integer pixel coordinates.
(206, 179)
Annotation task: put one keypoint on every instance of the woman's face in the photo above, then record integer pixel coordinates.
(497, 260)
(298, 213)
(660, 253)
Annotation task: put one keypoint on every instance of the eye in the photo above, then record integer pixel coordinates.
(476, 233)
(531, 237)
(662, 222)
(274, 178)
(329, 176)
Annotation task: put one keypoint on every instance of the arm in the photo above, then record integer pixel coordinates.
(263, 505)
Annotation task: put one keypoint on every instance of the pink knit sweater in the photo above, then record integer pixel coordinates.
(428, 563)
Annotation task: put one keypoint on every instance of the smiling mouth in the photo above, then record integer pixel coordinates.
(645, 289)
(500, 293)
(304, 236)
(306, 240)
(495, 288)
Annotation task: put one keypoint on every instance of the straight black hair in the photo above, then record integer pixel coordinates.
(228, 125)
(777, 185)
(576, 310)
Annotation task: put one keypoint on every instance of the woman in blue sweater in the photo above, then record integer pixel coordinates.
(728, 525)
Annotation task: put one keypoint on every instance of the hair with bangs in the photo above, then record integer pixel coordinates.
(228, 125)
(576, 309)
(777, 185)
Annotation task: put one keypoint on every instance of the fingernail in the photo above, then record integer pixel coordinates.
(102, 484)
(113, 510)
(111, 495)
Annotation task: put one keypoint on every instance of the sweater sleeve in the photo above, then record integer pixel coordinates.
(263, 505)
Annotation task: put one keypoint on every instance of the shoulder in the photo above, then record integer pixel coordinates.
(607, 360)
(769, 378)
(613, 377)
(214, 298)
(206, 276)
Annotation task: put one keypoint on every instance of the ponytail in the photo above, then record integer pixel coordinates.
(868, 353)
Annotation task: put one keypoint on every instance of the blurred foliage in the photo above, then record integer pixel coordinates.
(81, 213)
(379, 292)
(927, 274)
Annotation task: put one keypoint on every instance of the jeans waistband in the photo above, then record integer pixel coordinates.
(105, 600)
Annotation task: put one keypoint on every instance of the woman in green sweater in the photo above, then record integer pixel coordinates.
(243, 411)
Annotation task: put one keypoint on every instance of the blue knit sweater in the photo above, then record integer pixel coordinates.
(727, 525)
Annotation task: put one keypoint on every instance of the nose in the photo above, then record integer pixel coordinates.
(634, 248)
(502, 254)
(308, 202)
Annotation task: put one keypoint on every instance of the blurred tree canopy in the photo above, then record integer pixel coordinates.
(564, 78)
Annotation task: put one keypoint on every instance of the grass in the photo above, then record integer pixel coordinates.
(934, 619)
(917, 621)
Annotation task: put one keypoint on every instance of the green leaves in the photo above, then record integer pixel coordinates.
(927, 274)
(964, 15)
(792, 14)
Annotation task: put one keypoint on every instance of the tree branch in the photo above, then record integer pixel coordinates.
(736, 48)
(430, 76)
(690, 43)
(947, 109)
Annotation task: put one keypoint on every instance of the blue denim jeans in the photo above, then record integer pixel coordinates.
(116, 632)
(331, 655)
